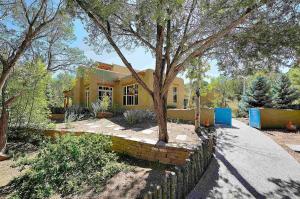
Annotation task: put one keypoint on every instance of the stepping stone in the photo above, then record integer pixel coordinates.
(136, 129)
(149, 141)
(147, 131)
(294, 147)
(110, 126)
(90, 124)
(95, 126)
(119, 128)
(181, 137)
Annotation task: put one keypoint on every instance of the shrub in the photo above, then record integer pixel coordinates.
(96, 108)
(135, 116)
(116, 109)
(69, 165)
(57, 110)
(105, 103)
(76, 113)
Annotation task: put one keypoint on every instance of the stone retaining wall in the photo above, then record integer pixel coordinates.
(174, 154)
(178, 183)
(152, 152)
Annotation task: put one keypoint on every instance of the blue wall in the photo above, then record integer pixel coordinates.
(223, 116)
(254, 118)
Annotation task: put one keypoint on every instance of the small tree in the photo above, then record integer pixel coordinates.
(283, 93)
(258, 95)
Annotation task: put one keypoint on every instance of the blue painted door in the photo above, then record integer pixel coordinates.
(254, 117)
(223, 116)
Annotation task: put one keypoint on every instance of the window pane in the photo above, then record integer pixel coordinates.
(136, 102)
(124, 100)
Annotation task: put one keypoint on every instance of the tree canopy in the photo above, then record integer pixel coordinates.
(176, 32)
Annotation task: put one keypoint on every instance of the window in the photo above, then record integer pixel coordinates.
(106, 91)
(174, 95)
(130, 95)
(87, 97)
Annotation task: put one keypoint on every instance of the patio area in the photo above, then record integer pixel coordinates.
(180, 135)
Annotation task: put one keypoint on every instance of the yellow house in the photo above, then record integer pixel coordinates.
(116, 81)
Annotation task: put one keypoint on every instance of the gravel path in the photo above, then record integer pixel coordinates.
(248, 164)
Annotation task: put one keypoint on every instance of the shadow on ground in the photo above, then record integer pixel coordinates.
(284, 188)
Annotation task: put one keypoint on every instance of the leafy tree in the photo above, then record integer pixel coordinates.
(30, 31)
(223, 89)
(175, 32)
(257, 95)
(271, 44)
(30, 110)
(283, 94)
(294, 76)
(62, 82)
(196, 73)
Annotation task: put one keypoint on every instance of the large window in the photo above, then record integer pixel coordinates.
(174, 95)
(130, 95)
(106, 91)
(87, 97)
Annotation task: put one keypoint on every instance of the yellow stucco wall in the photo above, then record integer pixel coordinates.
(206, 114)
(278, 118)
(92, 81)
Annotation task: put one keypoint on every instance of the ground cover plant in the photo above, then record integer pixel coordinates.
(69, 165)
(134, 116)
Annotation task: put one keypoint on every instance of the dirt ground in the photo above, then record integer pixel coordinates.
(282, 137)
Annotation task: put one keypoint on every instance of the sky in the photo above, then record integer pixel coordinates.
(139, 58)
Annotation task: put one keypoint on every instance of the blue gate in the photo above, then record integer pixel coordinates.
(254, 117)
(223, 116)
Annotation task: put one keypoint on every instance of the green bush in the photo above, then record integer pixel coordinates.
(116, 109)
(69, 165)
(135, 116)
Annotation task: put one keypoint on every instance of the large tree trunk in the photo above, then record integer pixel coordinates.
(3, 130)
(160, 109)
(197, 110)
(3, 122)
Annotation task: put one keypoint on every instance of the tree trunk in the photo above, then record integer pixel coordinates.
(3, 122)
(197, 110)
(160, 109)
(3, 130)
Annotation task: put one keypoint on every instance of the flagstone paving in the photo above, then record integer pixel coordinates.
(181, 135)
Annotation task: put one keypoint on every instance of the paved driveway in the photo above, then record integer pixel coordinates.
(248, 164)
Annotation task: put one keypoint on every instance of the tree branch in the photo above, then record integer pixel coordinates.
(11, 100)
(207, 44)
(100, 25)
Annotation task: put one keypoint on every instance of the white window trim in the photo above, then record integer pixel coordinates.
(112, 92)
(130, 95)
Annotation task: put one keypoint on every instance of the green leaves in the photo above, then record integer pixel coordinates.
(69, 165)
(31, 108)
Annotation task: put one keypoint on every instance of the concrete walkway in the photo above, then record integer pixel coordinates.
(248, 164)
